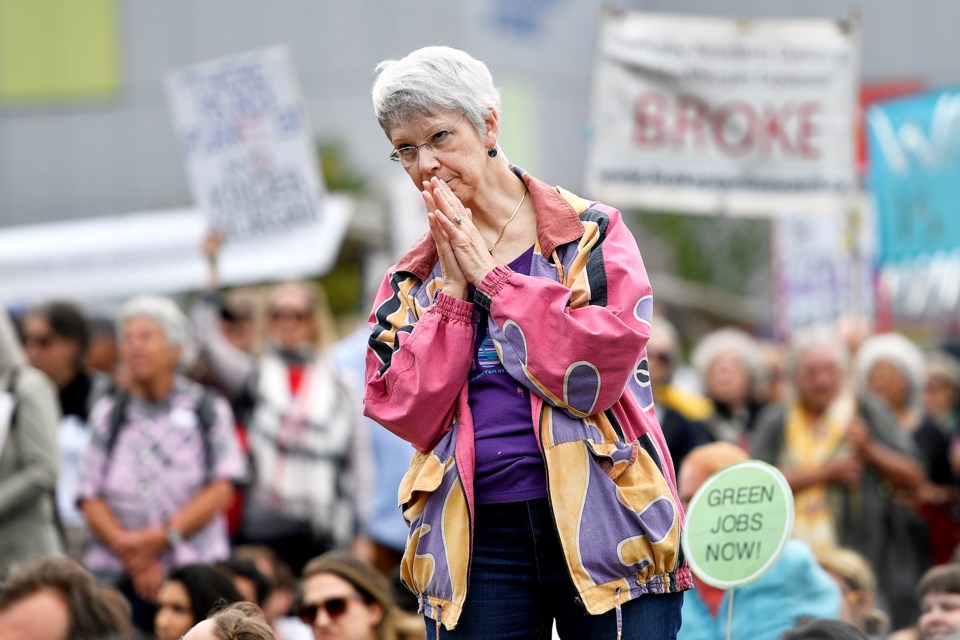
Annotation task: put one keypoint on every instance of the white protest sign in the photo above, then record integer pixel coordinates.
(705, 115)
(822, 270)
(737, 524)
(250, 154)
(156, 252)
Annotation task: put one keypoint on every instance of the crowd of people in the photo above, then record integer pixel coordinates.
(206, 470)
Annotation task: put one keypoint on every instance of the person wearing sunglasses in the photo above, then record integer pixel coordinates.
(29, 415)
(508, 347)
(346, 598)
(305, 440)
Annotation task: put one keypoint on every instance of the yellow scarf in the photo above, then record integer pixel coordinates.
(808, 446)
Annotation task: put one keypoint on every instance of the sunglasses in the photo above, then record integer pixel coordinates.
(335, 607)
(289, 314)
(43, 341)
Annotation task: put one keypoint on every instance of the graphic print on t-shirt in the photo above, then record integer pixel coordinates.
(487, 361)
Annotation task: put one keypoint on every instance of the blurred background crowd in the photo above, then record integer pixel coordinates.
(167, 448)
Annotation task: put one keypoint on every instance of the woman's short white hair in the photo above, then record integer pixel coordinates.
(728, 340)
(430, 80)
(168, 316)
(813, 339)
(897, 350)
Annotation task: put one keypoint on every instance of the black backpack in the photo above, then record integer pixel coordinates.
(206, 416)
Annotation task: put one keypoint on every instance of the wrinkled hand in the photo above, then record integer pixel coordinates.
(454, 282)
(845, 470)
(858, 436)
(459, 231)
(138, 549)
(147, 581)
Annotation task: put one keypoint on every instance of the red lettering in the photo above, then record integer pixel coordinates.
(734, 124)
(807, 130)
(775, 125)
(736, 128)
(693, 116)
(650, 117)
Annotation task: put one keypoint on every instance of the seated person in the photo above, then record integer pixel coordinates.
(795, 589)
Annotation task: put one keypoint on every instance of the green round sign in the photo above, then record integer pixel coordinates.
(737, 524)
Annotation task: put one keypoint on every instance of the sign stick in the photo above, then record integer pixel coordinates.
(730, 614)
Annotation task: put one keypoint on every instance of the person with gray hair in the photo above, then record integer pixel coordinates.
(842, 453)
(729, 362)
(508, 347)
(161, 464)
(892, 367)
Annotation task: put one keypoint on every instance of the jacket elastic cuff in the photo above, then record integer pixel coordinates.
(495, 280)
(454, 309)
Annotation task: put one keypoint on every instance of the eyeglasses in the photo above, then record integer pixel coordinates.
(41, 340)
(407, 154)
(335, 607)
(290, 314)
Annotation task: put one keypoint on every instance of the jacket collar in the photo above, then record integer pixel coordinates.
(557, 223)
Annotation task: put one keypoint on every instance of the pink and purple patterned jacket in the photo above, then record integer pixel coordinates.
(574, 332)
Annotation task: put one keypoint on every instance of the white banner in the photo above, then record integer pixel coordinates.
(822, 270)
(709, 115)
(250, 155)
(157, 252)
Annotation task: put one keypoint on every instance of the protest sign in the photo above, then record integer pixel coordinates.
(823, 268)
(737, 524)
(708, 115)
(247, 144)
(914, 146)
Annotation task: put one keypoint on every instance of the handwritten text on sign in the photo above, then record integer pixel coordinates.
(737, 524)
(247, 143)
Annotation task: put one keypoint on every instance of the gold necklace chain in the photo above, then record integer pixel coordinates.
(504, 229)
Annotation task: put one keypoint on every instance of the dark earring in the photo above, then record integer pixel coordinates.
(492, 152)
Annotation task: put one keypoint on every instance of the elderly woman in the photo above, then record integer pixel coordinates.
(893, 368)
(730, 363)
(843, 457)
(509, 347)
(161, 465)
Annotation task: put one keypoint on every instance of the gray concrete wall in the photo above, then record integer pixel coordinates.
(79, 159)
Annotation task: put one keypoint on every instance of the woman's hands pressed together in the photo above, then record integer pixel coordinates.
(463, 253)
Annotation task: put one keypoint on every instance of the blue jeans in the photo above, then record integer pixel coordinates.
(519, 584)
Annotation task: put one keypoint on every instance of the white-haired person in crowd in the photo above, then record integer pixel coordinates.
(842, 453)
(892, 367)
(162, 462)
(730, 365)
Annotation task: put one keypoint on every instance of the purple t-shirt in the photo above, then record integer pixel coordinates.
(509, 465)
